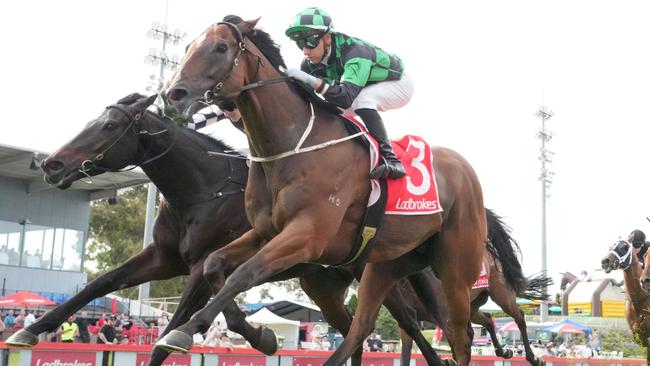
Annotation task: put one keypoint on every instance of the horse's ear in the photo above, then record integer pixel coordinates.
(247, 26)
(144, 103)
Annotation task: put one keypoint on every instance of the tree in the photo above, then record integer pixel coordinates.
(618, 340)
(115, 235)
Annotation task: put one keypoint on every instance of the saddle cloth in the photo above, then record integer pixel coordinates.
(482, 280)
(415, 194)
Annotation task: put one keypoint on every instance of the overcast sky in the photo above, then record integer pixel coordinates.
(482, 69)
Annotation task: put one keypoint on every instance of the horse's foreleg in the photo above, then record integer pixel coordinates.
(327, 288)
(376, 282)
(407, 319)
(195, 295)
(283, 252)
(146, 266)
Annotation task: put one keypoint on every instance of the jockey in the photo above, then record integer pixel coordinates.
(354, 75)
(637, 239)
(212, 114)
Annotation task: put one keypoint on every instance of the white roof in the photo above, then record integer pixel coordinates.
(265, 316)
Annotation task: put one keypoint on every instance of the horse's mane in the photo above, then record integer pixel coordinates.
(211, 142)
(271, 50)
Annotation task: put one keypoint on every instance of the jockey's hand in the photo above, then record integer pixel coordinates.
(303, 77)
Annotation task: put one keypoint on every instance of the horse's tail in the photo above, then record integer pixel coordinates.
(537, 287)
(504, 249)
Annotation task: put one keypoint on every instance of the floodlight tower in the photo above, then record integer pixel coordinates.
(160, 58)
(546, 177)
(159, 33)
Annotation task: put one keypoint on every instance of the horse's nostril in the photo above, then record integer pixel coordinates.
(177, 94)
(53, 166)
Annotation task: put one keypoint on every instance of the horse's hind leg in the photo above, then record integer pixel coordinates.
(146, 266)
(508, 302)
(485, 320)
(407, 319)
(327, 287)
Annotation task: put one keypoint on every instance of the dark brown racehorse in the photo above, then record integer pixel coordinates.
(202, 210)
(623, 256)
(307, 207)
(506, 283)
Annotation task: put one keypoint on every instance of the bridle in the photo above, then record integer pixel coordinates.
(91, 164)
(216, 92)
(625, 260)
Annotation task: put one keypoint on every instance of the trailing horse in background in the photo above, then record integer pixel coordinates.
(506, 283)
(203, 209)
(289, 189)
(623, 256)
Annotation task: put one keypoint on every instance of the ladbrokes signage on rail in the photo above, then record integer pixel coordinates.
(58, 358)
(142, 359)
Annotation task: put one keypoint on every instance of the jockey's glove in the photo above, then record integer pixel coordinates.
(303, 77)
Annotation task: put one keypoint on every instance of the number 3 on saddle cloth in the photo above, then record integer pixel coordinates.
(414, 194)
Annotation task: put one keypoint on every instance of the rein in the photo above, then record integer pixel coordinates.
(217, 92)
(90, 164)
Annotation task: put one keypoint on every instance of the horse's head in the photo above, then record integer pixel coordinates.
(618, 257)
(567, 278)
(108, 142)
(211, 65)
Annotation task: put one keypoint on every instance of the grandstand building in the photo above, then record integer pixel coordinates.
(43, 230)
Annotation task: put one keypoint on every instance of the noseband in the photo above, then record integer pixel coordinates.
(90, 164)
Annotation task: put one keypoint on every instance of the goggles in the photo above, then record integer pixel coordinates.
(309, 41)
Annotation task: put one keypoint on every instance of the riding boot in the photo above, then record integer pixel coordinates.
(390, 166)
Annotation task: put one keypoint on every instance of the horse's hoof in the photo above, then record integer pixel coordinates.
(22, 338)
(538, 362)
(175, 341)
(268, 343)
(449, 362)
(507, 353)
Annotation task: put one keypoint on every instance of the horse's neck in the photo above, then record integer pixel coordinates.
(185, 167)
(631, 275)
(275, 116)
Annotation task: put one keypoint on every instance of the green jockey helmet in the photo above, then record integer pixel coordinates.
(309, 21)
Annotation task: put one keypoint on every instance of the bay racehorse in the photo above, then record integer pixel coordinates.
(506, 283)
(623, 256)
(306, 204)
(202, 210)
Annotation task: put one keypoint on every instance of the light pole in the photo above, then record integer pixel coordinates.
(546, 177)
(157, 32)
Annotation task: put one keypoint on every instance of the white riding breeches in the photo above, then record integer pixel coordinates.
(384, 96)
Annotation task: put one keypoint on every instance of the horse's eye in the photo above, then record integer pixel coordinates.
(222, 48)
(109, 126)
